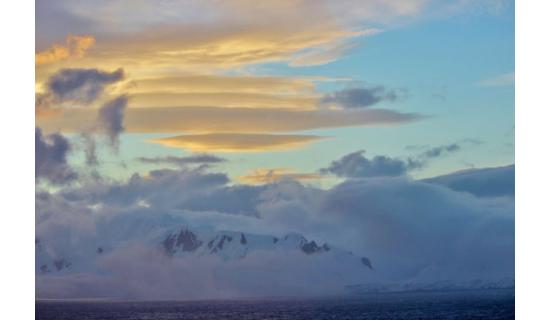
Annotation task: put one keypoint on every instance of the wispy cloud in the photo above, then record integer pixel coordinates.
(111, 119)
(183, 161)
(506, 79)
(242, 120)
(271, 175)
(220, 35)
(237, 142)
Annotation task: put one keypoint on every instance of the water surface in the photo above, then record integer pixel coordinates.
(490, 304)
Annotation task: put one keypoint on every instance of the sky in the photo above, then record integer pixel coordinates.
(293, 113)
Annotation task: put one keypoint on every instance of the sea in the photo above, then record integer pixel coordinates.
(478, 304)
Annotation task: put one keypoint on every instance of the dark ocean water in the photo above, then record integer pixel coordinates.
(490, 304)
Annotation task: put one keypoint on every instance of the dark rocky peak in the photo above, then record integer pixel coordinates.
(187, 241)
(300, 239)
(44, 268)
(275, 239)
(366, 261)
(61, 264)
(169, 243)
(312, 247)
(218, 242)
(243, 239)
(99, 250)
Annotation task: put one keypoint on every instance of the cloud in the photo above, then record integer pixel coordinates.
(152, 276)
(430, 153)
(217, 119)
(164, 189)
(327, 53)
(440, 150)
(182, 161)
(224, 91)
(237, 142)
(506, 79)
(76, 88)
(359, 97)
(51, 158)
(415, 233)
(487, 182)
(75, 46)
(206, 47)
(90, 149)
(356, 165)
(211, 36)
(81, 85)
(73, 88)
(111, 118)
(235, 33)
(425, 232)
(199, 83)
(225, 99)
(272, 175)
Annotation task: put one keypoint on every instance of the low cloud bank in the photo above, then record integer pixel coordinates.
(414, 232)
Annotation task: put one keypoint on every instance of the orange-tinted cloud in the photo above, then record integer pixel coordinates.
(218, 119)
(200, 83)
(75, 46)
(223, 91)
(198, 48)
(224, 99)
(266, 175)
(213, 35)
(236, 142)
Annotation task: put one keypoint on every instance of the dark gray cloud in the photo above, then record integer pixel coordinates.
(111, 118)
(90, 149)
(162, 188)
(487, 182)
(440, 150)
(360, 97)
(81, 85)
(425, 153)
(182, 161)
(51, 158)
(356, 165)
(443, 149)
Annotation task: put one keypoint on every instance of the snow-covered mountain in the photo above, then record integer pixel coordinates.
(236, 245)
(164, 257)
(184, 242)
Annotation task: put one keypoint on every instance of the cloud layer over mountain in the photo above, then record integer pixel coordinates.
(414, 232)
